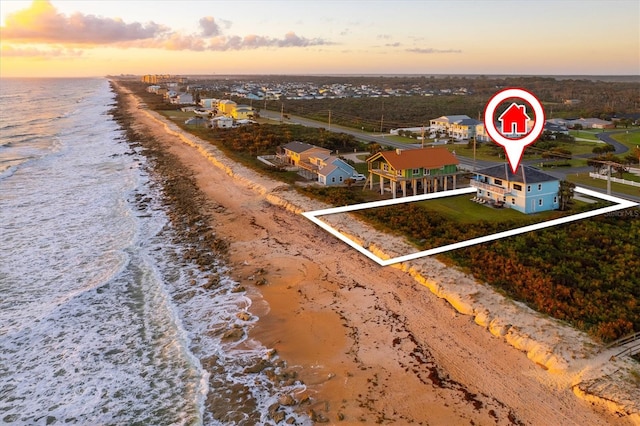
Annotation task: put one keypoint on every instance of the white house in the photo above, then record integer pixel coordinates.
(455, 126)
(222, 122)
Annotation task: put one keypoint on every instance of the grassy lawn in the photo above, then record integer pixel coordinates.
(584, 179)
(484, 151)
(579, 147)
(462, 210)
(630, 140)
(585, 134)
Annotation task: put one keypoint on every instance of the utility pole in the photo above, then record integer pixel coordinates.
(474, 153)
(382, 117)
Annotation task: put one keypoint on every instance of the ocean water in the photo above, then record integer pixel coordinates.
(100, 320)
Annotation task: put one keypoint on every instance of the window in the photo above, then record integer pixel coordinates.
(427, 172)
(333, 179)
(398, 172)
(555, 200)
(340, 178)
(517, 187)
(528, 188)
(416, 172)
(539, 187)
(513, 201)
(489, 194)
(498, 182)
(385, 167)
(540, 202)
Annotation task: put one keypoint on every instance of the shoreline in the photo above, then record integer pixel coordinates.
(344, 324)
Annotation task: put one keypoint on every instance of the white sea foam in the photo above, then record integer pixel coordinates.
(100, 320)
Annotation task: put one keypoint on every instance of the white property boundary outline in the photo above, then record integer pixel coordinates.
(313, 216)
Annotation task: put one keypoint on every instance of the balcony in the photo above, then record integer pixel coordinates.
(491, 188)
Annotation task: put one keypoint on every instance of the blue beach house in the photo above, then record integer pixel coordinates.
(528, 190)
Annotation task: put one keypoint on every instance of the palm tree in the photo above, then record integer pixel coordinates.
(565, 193)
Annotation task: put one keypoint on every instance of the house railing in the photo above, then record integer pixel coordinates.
(488, 187)
(613, 179)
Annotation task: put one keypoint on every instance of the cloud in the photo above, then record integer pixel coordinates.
(41, 23)
(253, 41)
(209, 26)
(430, 50)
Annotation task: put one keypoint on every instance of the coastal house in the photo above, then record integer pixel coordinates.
(455, 126)
(443, 123)
(314, 162)
(428, 169)
(333, 171)
(209, 103)
(528, 190)
(242, 112)
(222, 122)
(551, 127)
(463, 129)
(195, 121)
(226, 106)
(184, 99)
(299, 152)
(481, 133)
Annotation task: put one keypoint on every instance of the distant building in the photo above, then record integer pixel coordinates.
(222, 122)
(242, 112)
(528, 190)
(226, 106)
(572, 101)
(455, 126)
(158, 78)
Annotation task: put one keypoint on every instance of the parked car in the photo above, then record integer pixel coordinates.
(358, 177)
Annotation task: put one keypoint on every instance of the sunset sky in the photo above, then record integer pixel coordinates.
(96, 38)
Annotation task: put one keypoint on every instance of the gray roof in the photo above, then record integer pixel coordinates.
(468, 122)
(524, 174)
(453, 118)
(299, 147)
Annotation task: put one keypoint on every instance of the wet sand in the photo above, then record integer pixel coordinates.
(370, 343)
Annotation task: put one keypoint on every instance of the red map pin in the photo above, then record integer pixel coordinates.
(514, 122)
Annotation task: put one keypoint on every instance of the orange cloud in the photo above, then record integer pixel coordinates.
(41, 23)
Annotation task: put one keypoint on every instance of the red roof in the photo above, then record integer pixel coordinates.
(428, 158)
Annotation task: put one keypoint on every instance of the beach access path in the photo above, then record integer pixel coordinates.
(371, 344)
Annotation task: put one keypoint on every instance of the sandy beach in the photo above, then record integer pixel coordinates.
(420, 343)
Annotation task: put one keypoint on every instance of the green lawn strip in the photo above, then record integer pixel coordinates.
(631, 140)
(463, 210)
(585, 134)
(584, 179)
